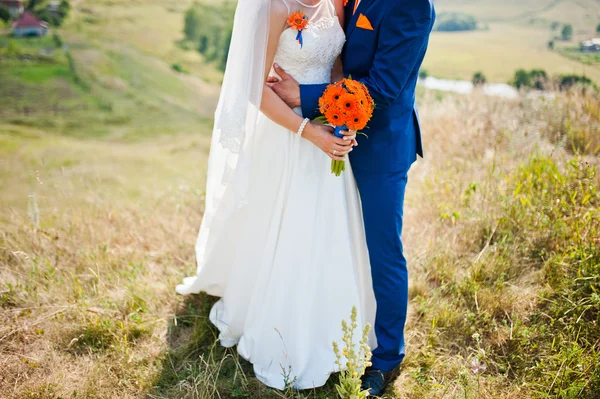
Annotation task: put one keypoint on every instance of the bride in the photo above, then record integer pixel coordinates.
(282, 240)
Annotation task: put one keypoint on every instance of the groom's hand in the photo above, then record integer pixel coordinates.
(322, 136)
(287, 88)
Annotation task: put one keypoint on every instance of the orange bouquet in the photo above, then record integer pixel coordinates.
(346, 105)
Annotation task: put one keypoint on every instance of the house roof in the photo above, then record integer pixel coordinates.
(28, 20)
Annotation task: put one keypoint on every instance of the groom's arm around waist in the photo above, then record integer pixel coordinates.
(309, 99)
(403, 35)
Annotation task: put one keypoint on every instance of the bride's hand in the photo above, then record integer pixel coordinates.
(322, 136)
(350, 136)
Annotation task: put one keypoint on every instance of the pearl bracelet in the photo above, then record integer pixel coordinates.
(302, 126)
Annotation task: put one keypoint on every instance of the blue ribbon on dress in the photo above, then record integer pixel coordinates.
(299, 38)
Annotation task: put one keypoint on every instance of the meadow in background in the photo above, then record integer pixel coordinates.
(104, 136)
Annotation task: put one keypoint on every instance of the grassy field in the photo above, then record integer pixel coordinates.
(103, 154)
(96, 234)
(518, 36)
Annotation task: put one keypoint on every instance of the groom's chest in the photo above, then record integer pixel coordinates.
(362, 26)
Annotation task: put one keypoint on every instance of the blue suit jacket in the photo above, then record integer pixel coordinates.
(387, 60)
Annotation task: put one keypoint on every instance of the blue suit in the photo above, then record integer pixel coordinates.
(387, 60)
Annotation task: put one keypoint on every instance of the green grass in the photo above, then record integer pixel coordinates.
(585, 58)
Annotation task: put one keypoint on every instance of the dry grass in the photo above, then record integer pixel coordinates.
(95, 235)
(475, 288)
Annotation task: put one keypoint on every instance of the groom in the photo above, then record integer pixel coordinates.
(386, 41)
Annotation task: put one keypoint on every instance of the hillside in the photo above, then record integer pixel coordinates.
(112, 64)
(515, 36)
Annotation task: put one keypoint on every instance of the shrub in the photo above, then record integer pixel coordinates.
(566, 82)
(455, 22)
(598, 28)
(177, 67)
(423, 74)
(4, 14)
(522, 79)
(479, 79)
(551, 44)
(567, 32)
(550, 217)
(54, 16)
(539, 79)
(535, 79)
(57, 40)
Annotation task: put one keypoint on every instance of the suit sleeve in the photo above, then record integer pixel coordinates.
(309, 99)
(404, 34)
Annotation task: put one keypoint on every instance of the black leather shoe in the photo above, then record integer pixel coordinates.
(375, 381)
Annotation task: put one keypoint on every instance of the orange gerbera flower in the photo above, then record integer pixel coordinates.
(348, 102)
(331, 95)
(357, 120)
(298, 20)
(352, 85)
(334, 115)
(365, 92)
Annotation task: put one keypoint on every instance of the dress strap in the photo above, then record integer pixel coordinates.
(287, 5)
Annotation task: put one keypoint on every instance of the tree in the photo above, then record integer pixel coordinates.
(423, 74)
(551, 44)
(4, 14)
(479, 79)
(32, 4)
(455, 22)
(554, 26)
(192, 24)
(210, 26)
(567, 32)
(522, 79)
(598, 28)
(566, 82)
(539, 79)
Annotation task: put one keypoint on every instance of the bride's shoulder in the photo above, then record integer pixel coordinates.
(279, 12)
(280, 7)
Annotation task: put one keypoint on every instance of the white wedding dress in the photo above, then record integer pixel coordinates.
(290, 265)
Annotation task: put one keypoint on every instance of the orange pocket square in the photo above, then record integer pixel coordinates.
(363, 22)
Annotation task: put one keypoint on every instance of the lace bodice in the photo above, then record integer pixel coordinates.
(323, 39)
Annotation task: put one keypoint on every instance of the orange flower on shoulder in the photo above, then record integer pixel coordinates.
(298, 20)
(335, 115)
(345, 3)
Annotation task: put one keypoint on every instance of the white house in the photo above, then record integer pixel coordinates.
(592, 45)
(29, 25)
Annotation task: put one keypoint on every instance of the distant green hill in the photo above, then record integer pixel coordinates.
(108, 71)
(517, 36)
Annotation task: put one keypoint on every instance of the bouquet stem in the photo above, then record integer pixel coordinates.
(337, 167)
